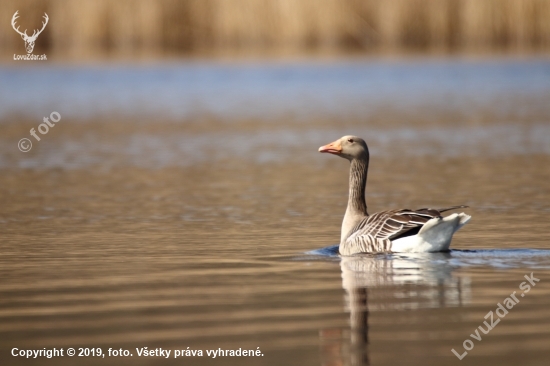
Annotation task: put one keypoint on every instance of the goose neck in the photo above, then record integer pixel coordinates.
(357, 185)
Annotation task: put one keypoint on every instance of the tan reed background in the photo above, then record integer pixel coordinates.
(190, 26)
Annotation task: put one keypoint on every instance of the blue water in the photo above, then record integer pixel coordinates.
(269, 89)
(495, 258)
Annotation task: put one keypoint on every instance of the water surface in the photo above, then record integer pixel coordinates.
(191, 231)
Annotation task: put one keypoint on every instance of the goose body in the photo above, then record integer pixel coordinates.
(404, 230)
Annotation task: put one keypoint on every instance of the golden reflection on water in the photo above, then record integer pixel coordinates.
(175, 236)
(201, 256)
(190, 230)
(434, 287)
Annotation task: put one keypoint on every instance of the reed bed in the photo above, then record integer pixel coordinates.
(189, 26)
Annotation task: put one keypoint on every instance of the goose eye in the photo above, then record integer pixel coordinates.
(350, 140)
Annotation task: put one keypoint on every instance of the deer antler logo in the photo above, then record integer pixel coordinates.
(29, 41)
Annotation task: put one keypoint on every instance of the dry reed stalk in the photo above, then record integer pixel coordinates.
(185, 26)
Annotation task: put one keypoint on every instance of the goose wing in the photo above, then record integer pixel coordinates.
(375, 233)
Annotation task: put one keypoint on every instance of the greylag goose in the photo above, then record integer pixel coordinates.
(423, 230)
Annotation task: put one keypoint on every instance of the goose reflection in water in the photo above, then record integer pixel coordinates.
(390, 276)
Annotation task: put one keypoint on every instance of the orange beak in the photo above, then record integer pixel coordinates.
(332, 148)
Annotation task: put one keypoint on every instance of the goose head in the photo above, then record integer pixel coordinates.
(348, 147)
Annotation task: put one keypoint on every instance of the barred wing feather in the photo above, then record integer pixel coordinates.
(375, 232)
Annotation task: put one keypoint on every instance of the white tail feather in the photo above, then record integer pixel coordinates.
(434, 236)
